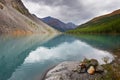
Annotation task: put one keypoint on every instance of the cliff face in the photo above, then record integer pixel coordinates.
(15, 18)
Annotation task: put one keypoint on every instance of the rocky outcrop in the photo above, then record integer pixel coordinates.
(16, 19)
(76, 71)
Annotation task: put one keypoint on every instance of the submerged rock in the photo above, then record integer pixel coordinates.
(73, 71)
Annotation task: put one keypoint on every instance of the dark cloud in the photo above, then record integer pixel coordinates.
(77, 11)
(57, 2)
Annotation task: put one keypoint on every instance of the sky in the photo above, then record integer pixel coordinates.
(76, 11)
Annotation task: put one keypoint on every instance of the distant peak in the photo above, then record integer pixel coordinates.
(48, 17)
(70, 23)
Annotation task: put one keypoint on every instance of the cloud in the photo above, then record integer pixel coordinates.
(77, 11)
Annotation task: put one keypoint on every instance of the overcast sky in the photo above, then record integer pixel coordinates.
(76, 11)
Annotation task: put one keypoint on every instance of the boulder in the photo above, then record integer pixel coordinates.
(73, 71)
(93, 62)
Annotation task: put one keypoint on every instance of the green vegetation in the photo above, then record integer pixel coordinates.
(113, 68)
(110, 24)
(112, 72)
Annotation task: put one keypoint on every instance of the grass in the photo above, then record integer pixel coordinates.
(112, 72)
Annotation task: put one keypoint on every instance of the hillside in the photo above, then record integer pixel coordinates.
(57, 24)
(109, 23)
(16, 19)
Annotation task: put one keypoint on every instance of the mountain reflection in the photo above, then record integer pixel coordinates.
(14, 49)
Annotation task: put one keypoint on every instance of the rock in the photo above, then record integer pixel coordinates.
(91, 70)
(64, 69)
(83, 70)
(72, 71)
(79, 69)
(86, 63)
(99, 69)
(94, 62)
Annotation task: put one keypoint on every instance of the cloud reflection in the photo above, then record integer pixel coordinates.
(76, 50)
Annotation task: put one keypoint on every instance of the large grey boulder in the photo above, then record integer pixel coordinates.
(65, 71)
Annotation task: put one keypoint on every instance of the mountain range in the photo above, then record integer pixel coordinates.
(16, 19)
(109, 23)
(59, 25)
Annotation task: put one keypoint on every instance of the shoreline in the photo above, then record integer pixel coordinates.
(109, 71)
(42, 77)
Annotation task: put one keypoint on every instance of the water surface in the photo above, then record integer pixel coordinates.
(27, 57)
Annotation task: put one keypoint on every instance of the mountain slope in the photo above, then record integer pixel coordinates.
(57, 24)
(109, 23)
(16, 19)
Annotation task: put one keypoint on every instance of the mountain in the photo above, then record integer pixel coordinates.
(16, 19)
(71, 25)
(109, 23)
(57, 24)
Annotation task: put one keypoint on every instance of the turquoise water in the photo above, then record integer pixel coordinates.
(27, 57)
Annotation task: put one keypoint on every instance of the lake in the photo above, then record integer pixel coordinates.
(28, 57)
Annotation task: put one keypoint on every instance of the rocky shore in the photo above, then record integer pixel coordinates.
(70, 70)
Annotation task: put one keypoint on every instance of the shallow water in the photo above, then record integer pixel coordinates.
(27, 57)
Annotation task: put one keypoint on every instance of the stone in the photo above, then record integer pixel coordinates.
(83, 70)
(94, 62)
(99, 69)
(91, 70)
(82, 65)
(79, 69)
(73, 71)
